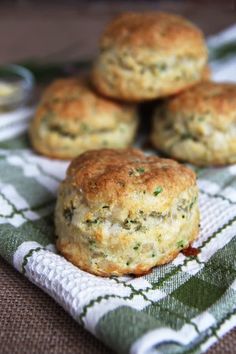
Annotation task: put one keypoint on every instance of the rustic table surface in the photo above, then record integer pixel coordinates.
(31, 322)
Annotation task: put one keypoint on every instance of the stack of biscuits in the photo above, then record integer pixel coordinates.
(118, 210)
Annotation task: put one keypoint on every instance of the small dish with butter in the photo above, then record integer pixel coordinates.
(16, 86)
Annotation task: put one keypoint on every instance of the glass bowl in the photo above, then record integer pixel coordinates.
(16, 86)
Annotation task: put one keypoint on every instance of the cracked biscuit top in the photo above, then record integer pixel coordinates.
(212, 102)
(154, 30)
(74, 99)
(128, 177)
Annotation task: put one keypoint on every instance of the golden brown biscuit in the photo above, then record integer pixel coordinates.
(199, 125)
(72, 118)
(121, 212)
(207, 74)
(144, 56)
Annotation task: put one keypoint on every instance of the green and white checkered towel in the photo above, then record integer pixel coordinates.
(181, 307)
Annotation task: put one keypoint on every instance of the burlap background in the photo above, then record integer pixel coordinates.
(32, 323)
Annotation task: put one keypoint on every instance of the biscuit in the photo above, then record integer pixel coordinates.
(145, 56)
(198, 125)
(121, 212)
(72, 118)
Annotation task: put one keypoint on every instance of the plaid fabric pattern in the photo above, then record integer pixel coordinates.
(181, 307)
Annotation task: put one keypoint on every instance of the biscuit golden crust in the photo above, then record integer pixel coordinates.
(115, 174)
(121, 212)
(217, 100)
(199, 125)
(149, 55)
(75, 99)
(72, 118)
(153, 30)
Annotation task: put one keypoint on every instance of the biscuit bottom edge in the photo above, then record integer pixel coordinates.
(78, 256)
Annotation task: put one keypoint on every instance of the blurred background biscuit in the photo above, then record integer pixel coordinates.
(72, 118)
(199, 125)
(121, 212)
(144, 56)
(207, 74)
